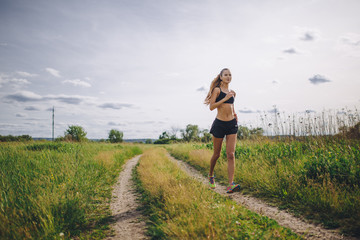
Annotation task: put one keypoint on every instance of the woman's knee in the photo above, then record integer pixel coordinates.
(230, 155)
(216, 155)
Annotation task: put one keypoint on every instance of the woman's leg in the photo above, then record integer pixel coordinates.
(230, 153)
(217, 149)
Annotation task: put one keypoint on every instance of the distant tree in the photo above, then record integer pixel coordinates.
(174, 132)
(243, 132)
(148, 141)
(164, 135)
(163, 141)
(190, 133)
(257, 132)
(115, 136)
(25, 138)
(206, 136)
(75, 133)
(11, 138)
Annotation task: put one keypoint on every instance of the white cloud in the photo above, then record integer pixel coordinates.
(24, 96)
(2, 80)
(78, 82)
(248, 110)
(116, 124)
(69, 99)
(25, 74)
(53, 72)
(352, 39)
(15, 82)
(19, 81)
(27, 96)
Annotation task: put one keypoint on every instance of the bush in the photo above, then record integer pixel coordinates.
(163, 141)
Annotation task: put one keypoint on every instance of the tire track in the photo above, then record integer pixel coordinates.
(128, 221)
(284, 218)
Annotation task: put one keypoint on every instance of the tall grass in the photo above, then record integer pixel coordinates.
(50, 190)
(320, 177)
(308, 123)
(183, 208)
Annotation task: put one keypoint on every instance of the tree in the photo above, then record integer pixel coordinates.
(10, 138)
(164, 135)
(174, 132)
(115, 136)
(75, 133)
(190, 133)
(243, 132)
(206, 136)
(257, 132)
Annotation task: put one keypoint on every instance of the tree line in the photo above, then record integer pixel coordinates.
(192, 133)
(75, 133)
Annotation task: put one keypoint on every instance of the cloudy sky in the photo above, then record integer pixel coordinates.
(144, 66)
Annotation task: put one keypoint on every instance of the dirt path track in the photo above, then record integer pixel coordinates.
(128, 221)
(307, 230)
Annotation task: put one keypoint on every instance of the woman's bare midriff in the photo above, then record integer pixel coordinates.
(225, 112)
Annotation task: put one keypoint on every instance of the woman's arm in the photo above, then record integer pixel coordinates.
(233, 108)
(215, 94)
(235, 114)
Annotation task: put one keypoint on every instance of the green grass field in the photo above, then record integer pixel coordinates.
(53, 189)
(49, 190)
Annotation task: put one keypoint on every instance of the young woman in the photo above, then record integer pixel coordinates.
(220, 97)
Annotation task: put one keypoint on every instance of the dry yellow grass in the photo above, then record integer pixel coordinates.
(106, 158)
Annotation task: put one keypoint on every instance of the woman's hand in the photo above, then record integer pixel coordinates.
(229, 95)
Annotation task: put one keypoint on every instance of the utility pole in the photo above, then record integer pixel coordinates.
(53, 114)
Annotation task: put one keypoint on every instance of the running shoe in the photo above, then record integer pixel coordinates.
(233, 188)
(212, 182)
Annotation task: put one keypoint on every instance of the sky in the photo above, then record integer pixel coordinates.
(143, 67)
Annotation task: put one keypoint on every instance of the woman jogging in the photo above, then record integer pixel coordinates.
(225, 124)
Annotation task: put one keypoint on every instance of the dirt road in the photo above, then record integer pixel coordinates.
(128, 221)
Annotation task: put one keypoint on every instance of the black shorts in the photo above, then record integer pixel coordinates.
(221, 128)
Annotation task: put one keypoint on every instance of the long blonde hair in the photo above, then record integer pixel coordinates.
(215, 83)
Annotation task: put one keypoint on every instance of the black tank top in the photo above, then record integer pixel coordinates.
(222, 95)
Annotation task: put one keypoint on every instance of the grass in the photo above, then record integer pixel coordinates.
(182, 208)
(318, 177)
(49, 190)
